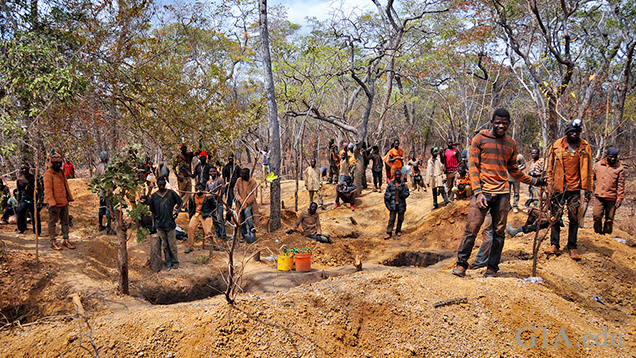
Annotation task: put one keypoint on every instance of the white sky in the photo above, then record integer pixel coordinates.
(299, 9)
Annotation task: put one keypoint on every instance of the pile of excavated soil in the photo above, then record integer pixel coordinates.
(385, 310)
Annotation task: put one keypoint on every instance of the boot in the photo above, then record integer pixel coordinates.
(512, 231)
(68, 244)
(55, 246)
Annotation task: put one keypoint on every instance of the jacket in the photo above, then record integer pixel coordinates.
(556, 171)
(312, 179)
(610, 180)
(391, 202)
(207, 209)
(242, 191)
(56, 190)
(435, 173)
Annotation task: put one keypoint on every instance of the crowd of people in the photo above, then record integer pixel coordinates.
(488, 172)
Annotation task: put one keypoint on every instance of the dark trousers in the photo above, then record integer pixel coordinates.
(62, 215)
(557, 203)
(439, 190)
(8, 211)
(169, 244)
(24, 209)
(377, 179)
(333, 173)
(348, 198)
(498, 206)
(531, 221)
(607, 208)
(400, 220)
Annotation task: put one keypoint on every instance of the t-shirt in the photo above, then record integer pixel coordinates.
(451, 160)
(376, 158)
(265, 157)
(572, 168)
(162, 207)
(311, 223)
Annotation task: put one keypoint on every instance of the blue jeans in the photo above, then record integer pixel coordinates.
(247, 224)
(219, 222)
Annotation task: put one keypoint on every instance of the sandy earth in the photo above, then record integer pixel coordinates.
(332, 311)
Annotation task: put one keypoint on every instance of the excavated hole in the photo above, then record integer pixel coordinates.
(187, 291)
(417, 259)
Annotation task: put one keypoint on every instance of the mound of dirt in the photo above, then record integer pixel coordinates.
(401, 304)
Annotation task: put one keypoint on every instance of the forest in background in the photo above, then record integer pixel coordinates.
(82, 76)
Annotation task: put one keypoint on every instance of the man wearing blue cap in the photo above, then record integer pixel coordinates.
(609, 191)
(569, 171)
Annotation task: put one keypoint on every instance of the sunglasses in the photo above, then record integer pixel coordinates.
(576, 123)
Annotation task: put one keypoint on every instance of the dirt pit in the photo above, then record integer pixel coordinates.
(198, 288)
(416, 258)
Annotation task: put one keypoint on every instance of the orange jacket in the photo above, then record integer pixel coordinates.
(556, 170)
(56, 190)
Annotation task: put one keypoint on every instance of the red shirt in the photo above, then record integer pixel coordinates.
(451, 160)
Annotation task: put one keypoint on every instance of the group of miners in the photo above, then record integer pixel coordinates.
(488, 172)
(31, 195)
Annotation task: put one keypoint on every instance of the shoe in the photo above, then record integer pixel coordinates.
(574, 254)
(490, 273)
(336, 205)
(102, 227)
(512, 231)
(68, 244)
(398, 233)
(435, 206)
(475, 267)
(4, 222)
(55, 246)
(167, 268)
(552, 250)
(515, 210)
(352, 207)
(459, 271)
(175, 265)
(188, 250)
(387, 236)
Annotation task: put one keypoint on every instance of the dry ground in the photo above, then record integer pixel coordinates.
(332, 311)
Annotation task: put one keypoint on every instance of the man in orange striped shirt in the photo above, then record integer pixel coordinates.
(492, 156)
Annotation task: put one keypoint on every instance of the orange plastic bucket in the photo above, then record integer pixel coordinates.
(285, 262)
(303, 262)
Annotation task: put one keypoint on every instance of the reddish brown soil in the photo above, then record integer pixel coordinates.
(332, 311)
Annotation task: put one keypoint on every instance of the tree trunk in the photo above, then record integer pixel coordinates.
(272, 111)
(122, 253)
(553, 127)
(155, 253)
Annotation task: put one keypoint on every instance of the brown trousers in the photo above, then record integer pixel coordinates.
(194, 223)
(497, 204)
(62, 215)
(607, 208)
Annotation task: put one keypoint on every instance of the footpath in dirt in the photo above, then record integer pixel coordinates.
(404, 302)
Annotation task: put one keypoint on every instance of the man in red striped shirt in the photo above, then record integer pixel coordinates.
(492, 156)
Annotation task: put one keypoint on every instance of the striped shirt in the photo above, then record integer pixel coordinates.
(490, 161)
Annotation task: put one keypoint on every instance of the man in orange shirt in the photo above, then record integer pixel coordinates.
(569, 172)
(395, 158)
(57, 196)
